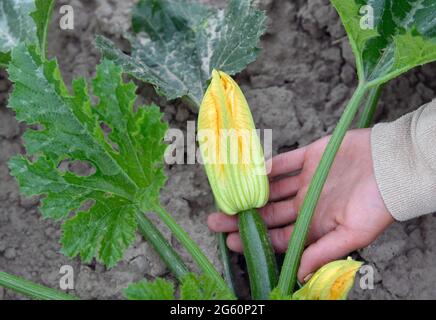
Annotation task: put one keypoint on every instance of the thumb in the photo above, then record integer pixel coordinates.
(334, 245)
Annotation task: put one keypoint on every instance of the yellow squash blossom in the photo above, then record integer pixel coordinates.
(230, 147)
(332, 282)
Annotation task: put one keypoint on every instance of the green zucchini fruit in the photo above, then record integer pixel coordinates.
(259, 254)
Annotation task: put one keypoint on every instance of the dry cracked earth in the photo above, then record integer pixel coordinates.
(297, 87)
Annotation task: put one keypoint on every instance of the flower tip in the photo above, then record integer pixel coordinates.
(230, 148)
(215, 73)
(331, 282)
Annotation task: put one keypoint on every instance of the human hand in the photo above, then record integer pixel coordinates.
(350, 213)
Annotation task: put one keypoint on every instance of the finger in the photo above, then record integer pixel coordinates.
(220, 222)
(276, 214)
(334, 245)
(286, 162)
(234, 242)
(284, 188)
(280, 238)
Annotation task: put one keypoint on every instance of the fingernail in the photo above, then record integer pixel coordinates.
(307, 278)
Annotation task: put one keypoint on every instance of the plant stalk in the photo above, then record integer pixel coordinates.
(288, 275)
(32, 290)
(367, 117)
(225, 259)
(45, 31)
(259, 254)
(193, 249)
(169, 256)
(45, 8)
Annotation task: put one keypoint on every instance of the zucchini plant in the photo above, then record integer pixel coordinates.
(53, 205)
(402, 37)
(127, 162)
(235, 165)
(185, 50)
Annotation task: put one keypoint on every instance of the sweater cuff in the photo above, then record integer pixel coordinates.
(402, 153)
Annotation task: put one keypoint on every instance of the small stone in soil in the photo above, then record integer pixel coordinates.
(28, 203)
(10, 253)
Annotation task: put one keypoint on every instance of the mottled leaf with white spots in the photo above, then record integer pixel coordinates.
(177, 43)
(389, 37)
(16, 25)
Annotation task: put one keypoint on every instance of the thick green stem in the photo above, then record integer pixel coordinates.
(45, 30)
(169, 256)
(225, 259)
(193, 249)
(31, 289)
(370, 107)
(288, 275)
(259, 254)
(42, 17)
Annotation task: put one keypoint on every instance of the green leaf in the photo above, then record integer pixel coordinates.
(16, 26)
(203, 288)
(159, 289)
(126, 158)
(177, 44)
(193, 287)
(403, 35)
(4, 59)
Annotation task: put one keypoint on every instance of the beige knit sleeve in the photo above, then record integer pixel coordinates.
(404, 156)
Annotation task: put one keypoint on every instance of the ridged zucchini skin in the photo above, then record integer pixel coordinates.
(259, 254)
